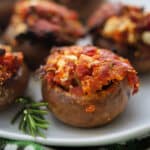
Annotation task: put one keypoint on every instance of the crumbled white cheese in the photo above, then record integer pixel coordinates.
(119, 25)
(21, 28)
(146, 37)
(71, 57)
(61, 63)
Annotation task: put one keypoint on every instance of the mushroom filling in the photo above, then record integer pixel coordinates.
(9, 63)
(126, 27)
(87, 70)
(48, 21)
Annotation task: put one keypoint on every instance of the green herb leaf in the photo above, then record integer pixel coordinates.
(31, 116)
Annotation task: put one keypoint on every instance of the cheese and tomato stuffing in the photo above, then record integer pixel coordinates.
(87, 70)
(9, 63)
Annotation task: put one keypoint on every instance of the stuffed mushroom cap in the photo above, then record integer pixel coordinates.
(92, 85)
(46, 21)
(36, 26)
(124, 29)
(14, 76)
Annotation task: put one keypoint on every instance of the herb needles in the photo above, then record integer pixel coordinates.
(31, 116)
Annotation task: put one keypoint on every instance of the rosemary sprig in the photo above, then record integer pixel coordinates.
(31, 116)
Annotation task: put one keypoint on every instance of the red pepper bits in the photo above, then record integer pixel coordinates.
(9, 63)
(90, 109)
(87, 70)
(43, 17)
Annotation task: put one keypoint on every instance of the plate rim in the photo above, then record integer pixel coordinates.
(134, 133)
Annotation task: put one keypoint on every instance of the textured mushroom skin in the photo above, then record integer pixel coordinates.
(34, 54)
(142, 66)
(13, 88)
(72, 110)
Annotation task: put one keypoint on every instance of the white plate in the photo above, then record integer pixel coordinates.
(133, 123)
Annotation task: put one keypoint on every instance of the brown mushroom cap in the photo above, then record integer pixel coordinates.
(86, 112)
(83, 88)
(14, 88)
